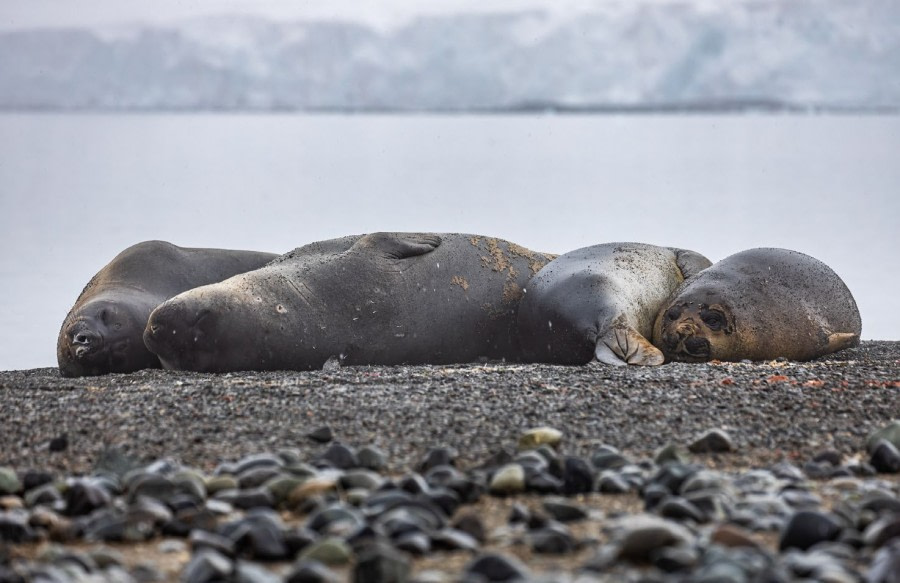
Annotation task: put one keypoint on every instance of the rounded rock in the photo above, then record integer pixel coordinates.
(806, 528)
(9, 481)
(890, 433)
(330, 551)
(509, 479)
(713, 441)
(644, 533)
(495, 567)
(538, 436)
(885, 457)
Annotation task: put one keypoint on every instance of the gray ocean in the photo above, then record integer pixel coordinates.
(75, 189)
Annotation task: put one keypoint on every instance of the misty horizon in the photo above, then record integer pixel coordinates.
(647, 57)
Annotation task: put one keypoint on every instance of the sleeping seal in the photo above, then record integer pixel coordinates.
(103, 331)
(759, 304)
(600, 302)
(391, 298)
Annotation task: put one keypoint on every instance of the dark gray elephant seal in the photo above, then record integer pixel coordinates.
(759, 304)
(391, 298)
(103, 331)
(601, 302)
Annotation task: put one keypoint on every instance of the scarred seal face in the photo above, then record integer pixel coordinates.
(697, 332)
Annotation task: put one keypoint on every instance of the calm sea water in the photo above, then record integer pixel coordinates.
(77, 189)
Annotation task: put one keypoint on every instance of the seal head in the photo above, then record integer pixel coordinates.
(103, 331)
(104, 335)
(759, 304)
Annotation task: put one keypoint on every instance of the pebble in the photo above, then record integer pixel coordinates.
(699, 525)
(340, 456)
(509, 479)
(9, 481)
(496, 567)
(552, 539)
(807, 528)
(438, 456)
(372, 458)
(713, 441)
(885, 565)
(889, 433)
(885, 457)
(641, 534)
(381, 563)
(533, 438)
(310, 571)
(671, 452)
(321, 435)
(578, 478)
(564, 510)
(207, 565)
(331, 551)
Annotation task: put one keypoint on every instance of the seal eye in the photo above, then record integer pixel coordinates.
(673, 313)
(714, 320)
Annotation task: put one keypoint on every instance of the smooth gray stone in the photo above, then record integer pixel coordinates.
(207, 565)
(452, 540)
(246, 572)
(641, 534)
(497, 567)
(372, 458)
(380, 563)
(310, 571)
(564, 510)
(258, 460)
(713, 441)
(890, 433)
(553, 539)
(806, 528)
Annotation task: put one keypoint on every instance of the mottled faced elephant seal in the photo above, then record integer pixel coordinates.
(391, 298)
(103, 331)
(600, 302)
(759, 304)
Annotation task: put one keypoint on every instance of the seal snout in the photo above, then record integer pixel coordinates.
(84, 341)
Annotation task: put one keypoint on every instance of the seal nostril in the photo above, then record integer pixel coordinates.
(82, 338)
(673, 313)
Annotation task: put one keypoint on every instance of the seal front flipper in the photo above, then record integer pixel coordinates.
(689, 262)
(625, 345)
(400, 245)
(841, 340)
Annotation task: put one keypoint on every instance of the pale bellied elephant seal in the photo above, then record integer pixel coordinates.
(601, 302)
(759, 304)
(392, 298)
(103, 331)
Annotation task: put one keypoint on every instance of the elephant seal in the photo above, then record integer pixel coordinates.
(103, 331)
(759, 304)
(601, 302)
(391, 298)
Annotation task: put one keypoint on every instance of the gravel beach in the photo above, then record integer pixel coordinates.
(814, 417)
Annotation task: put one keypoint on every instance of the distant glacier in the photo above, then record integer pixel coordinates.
(806, 55)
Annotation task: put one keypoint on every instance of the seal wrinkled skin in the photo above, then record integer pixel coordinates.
(382, 298)
(759, 304)
(103, 332)
(600, 302)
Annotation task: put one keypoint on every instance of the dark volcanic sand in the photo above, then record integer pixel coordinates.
(773, 410)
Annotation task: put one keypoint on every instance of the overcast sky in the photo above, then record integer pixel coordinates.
(31, 13)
